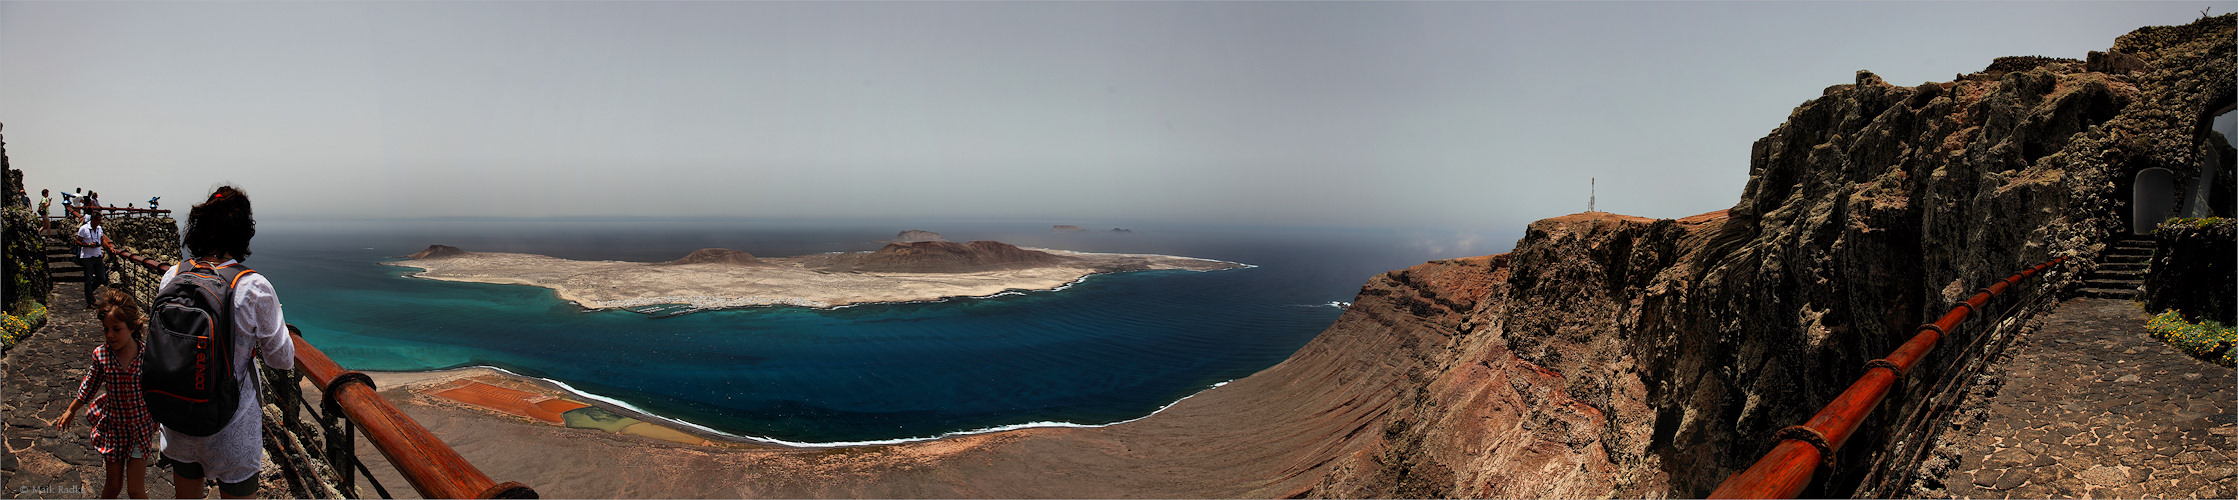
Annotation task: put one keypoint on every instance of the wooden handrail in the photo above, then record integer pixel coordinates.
(433, 468)
(1786, 470)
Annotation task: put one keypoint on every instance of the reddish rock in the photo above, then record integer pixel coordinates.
(437, 252)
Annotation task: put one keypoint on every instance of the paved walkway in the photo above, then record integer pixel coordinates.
(2089, 406)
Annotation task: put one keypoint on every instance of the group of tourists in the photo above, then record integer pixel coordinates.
(149, 390)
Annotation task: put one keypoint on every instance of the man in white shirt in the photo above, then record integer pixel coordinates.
(89, 255)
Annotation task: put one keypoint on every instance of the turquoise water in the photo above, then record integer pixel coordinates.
(1108, 349)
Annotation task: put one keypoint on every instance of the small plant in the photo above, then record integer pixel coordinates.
(2208, 339)
(14, 328)
(2196, 223)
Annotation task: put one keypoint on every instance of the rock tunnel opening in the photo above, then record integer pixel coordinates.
(2160, 193)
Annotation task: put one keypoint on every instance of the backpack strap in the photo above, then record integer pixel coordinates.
(231, 274)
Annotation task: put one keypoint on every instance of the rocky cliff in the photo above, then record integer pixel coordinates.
(1612, 355)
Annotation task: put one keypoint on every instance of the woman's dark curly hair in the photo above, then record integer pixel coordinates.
(221, 225)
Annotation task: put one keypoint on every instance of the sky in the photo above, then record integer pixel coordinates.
(1462, 116)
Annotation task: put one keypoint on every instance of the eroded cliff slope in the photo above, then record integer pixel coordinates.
(1612, 355)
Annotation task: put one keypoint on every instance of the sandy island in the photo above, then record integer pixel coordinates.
(720, 279)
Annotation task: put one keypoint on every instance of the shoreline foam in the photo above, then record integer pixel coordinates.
(414, 380)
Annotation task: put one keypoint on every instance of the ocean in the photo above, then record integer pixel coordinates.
(1108, 349)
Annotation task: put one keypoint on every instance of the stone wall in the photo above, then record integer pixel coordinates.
(25, 272)
(2192, 270)
(152, 237)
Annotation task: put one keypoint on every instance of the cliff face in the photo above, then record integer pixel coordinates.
(1612, 355)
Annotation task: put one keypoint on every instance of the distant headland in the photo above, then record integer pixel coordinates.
(917, 266)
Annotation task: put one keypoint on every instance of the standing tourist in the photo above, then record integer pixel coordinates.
(89, 255)
(217, 234)
(45, 200)
(122, 430)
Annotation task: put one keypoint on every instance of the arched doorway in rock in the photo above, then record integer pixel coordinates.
(2153, 199)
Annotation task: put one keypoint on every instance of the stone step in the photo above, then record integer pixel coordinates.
(2137, 273)
(2123, 266)
(2118, 253)
(2113, 283)
(2102, 293)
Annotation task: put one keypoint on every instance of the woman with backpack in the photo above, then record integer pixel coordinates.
(217, 234)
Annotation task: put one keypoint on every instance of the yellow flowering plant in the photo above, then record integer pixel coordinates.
(2209, 340)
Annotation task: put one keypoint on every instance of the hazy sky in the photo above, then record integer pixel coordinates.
(1458, 115)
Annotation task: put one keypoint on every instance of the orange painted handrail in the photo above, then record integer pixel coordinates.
(111, 246)
(433, 468)
(1786, 470)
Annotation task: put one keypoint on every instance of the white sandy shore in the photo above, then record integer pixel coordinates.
(806, 281)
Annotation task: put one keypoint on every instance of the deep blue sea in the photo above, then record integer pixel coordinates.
(1109, 349)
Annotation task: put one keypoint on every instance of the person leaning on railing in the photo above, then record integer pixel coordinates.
(88, 240)
(217, 234)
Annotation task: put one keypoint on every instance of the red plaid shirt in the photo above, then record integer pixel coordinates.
(120, 416)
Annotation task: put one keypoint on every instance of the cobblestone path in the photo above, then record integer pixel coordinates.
(2090, 406)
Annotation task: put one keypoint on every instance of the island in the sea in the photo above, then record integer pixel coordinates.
(918, 266)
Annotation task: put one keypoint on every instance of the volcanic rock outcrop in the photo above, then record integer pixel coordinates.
(721, 256)
(950, 257)
(1633, 357)
(438, 252)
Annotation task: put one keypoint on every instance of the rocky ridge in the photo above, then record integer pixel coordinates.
(1624, 356)
(438, 252)
(949, 257)
(718, 256)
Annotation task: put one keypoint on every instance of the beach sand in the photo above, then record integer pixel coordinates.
(807, 281)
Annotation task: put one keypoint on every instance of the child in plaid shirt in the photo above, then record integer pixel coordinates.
(122, 429)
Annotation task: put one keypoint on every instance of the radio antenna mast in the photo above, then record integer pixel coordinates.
(1593, 192)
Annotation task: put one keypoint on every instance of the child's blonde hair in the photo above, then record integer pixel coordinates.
(125, 308)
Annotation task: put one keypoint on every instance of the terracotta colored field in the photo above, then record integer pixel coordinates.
(521, 403)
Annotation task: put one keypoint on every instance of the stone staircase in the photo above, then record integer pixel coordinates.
(2121, 270)
(62, 258)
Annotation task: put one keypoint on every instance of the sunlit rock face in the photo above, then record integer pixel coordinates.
(1622, 356)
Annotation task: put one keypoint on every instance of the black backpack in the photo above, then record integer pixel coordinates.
(186, 368)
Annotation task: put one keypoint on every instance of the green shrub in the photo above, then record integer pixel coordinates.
(2208, 339)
